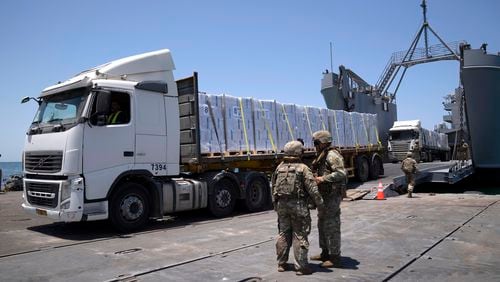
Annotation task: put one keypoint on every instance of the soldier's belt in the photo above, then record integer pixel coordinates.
(289, 197)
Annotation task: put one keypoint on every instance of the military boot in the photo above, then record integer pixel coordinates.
(333, 261)
(304, 271)
(322, 257)
(282, 267)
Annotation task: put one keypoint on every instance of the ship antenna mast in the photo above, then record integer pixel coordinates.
(331, 57)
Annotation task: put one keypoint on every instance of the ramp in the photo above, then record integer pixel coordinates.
(450, 173)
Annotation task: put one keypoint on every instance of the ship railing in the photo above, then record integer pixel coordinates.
(419, 55)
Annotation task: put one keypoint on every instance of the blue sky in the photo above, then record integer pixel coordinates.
(263, 49)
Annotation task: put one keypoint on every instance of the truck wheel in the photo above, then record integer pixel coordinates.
(223, 198)
(129, 207)
(363, 169)
(375, 169)
(444, 157)
(257, 194)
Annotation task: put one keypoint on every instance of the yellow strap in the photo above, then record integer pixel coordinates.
(336, 128)
(322, 121)
(366, 132)
(353, 134)
(308, 122)
(378, 139)
(269, 134)
(288, 123)
(244, 126)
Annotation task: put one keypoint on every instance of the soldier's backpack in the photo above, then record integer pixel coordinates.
(288, 180)
(407, 165)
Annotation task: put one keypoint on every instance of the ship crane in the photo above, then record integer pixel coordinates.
(416, 55)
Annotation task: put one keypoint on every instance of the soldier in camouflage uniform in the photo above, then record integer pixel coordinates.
(409, 167)
(331, 178)
(292, 185)
(463, 152)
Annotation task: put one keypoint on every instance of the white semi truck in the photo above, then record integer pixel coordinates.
(122, 142)
(409, 136)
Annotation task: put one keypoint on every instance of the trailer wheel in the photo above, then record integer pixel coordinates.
(363, 169)
(444, 157)
(257, 194)
(223, 198)
(429, 157)
(375, 169)
(129, 207)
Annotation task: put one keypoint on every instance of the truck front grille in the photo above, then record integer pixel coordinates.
(400, 146)
(43, 161)
(42, 194)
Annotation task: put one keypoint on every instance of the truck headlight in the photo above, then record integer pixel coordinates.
(65, 206)
(68, 186)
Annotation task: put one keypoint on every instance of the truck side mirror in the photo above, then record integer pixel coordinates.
(102, 107)
(26, 99)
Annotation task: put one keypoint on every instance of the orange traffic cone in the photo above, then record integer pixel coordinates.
(380, 191)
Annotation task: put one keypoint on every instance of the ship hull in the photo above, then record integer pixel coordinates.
(481, 82)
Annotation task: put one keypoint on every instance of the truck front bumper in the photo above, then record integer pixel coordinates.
(60, 200)
(65, 215)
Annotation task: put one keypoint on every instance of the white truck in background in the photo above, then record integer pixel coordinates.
(409, 136)
(83, 162)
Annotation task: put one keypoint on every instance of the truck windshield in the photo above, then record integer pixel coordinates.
(403, 135)
(62, 109)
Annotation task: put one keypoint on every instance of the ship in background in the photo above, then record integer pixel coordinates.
(454, 121)
(480, 76)
(348, 91)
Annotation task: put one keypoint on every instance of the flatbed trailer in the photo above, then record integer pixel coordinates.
(362, 162)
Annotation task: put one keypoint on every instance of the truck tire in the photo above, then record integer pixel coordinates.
(222, 201)
(129, 207)
(257, 194)
(362, 168)
(444, 157)
(375, 168)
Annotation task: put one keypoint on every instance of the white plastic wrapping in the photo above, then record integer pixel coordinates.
(239, 124)
(265, 125)
(208, 137)
(370, 121)
(251, 125)
(286, 123)
(349, 131)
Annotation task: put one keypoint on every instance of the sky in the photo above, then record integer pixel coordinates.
(260, 48)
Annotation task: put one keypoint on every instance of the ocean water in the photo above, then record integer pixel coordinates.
(10, 168)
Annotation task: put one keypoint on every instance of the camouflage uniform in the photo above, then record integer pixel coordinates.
(329, 165)
(409, 167)
(463, 151)
(292, 184)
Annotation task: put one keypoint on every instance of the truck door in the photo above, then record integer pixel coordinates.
(151, 126)
(108, 145)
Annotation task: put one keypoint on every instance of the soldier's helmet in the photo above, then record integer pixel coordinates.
(293, 148)
(322, 136)
(409, 154)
